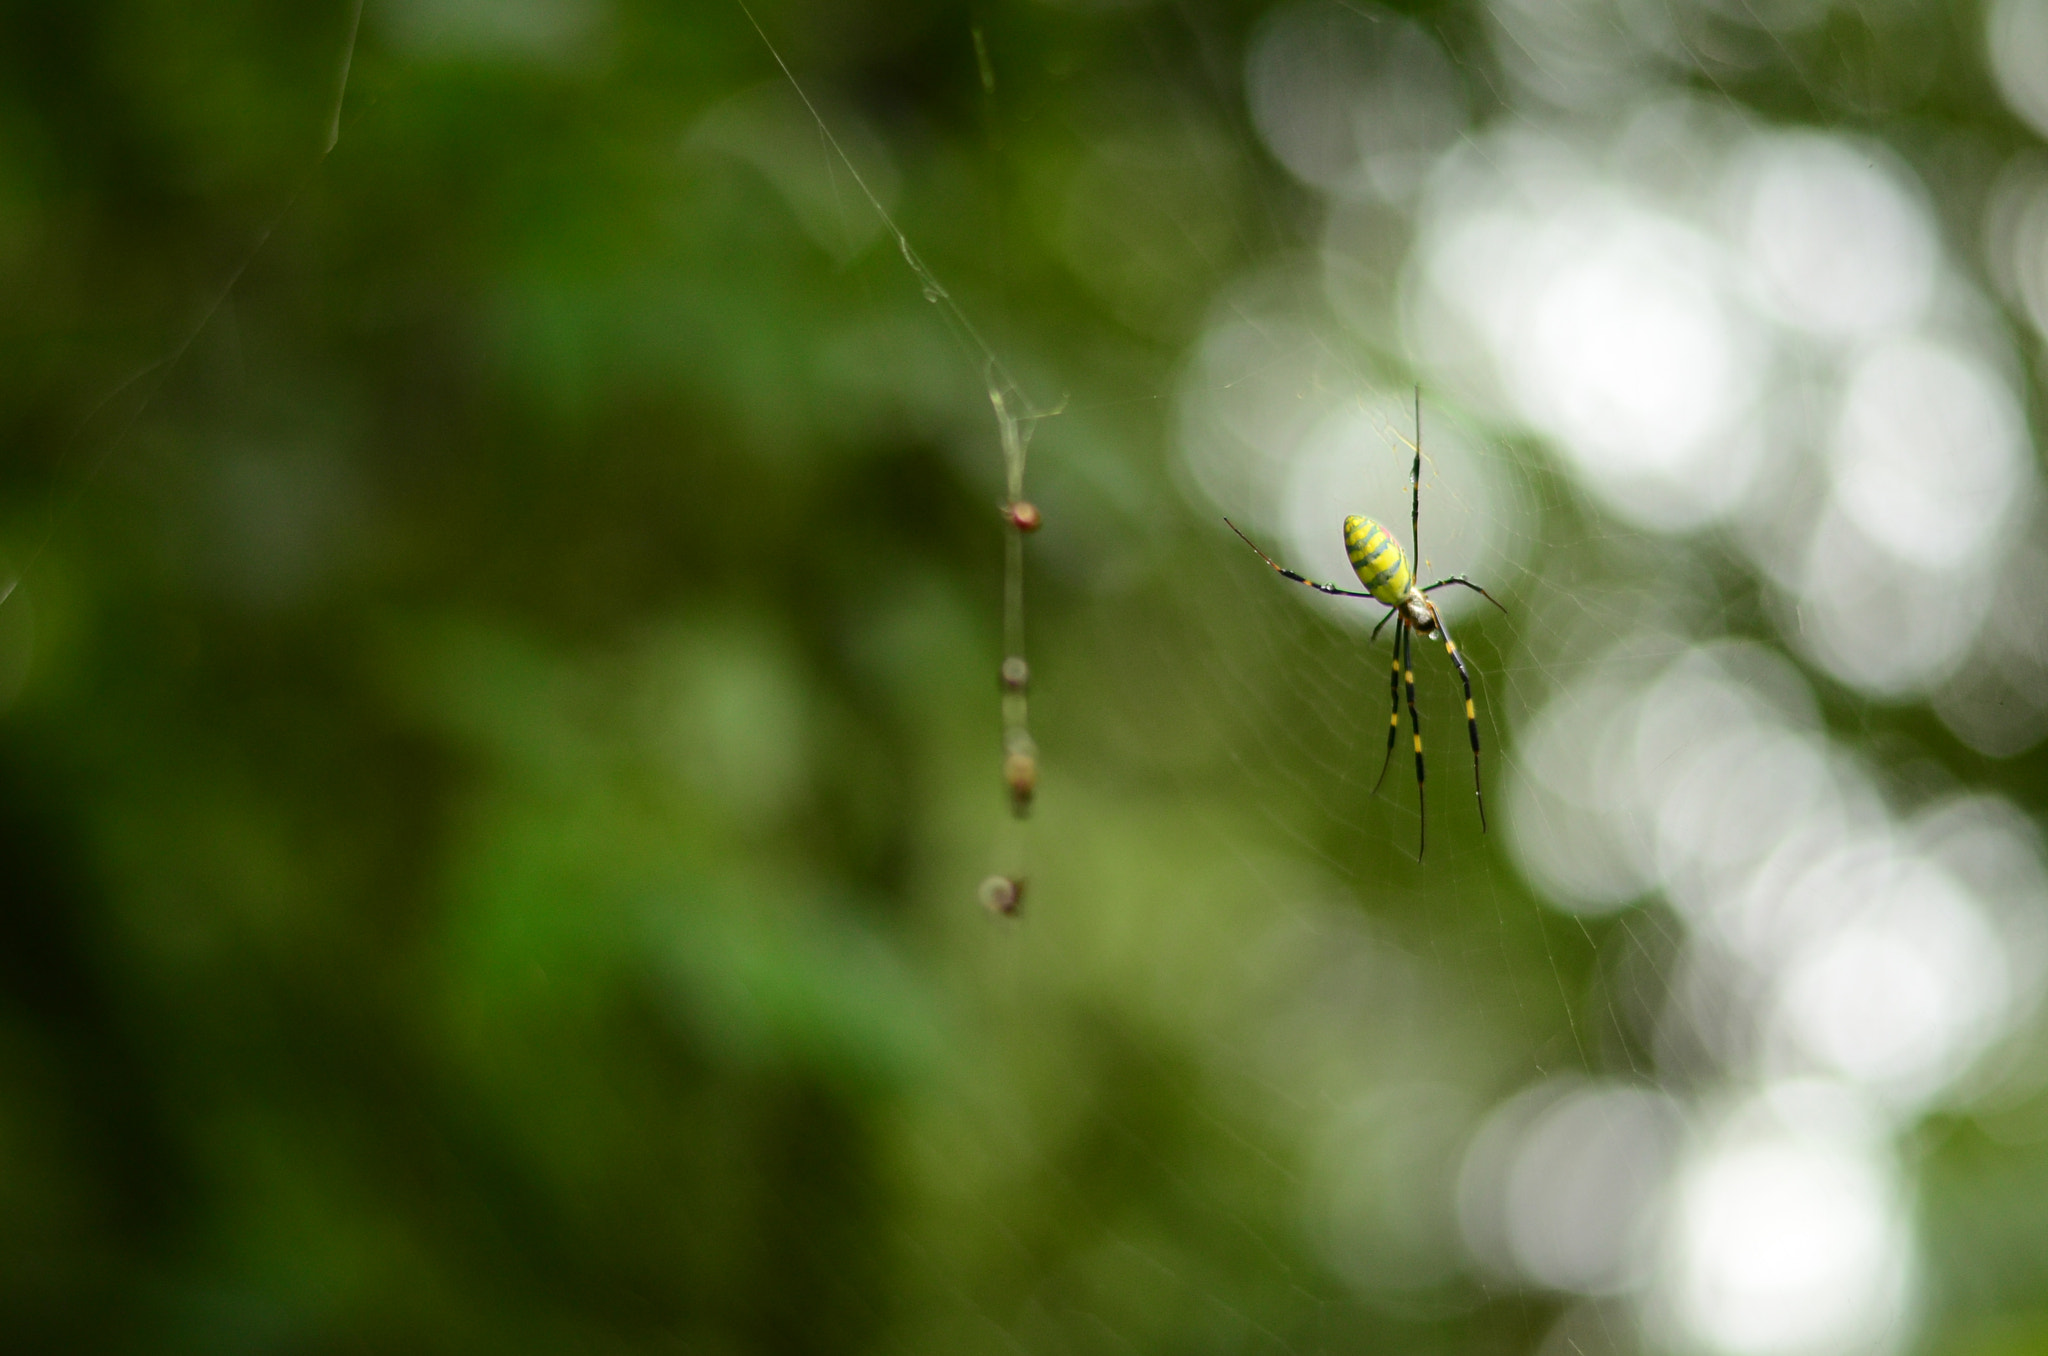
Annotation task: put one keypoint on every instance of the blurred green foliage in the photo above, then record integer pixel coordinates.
(503, 725)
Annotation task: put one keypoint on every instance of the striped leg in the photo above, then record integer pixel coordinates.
(1471, 717)
(1415, 724)
(1415, 504)
(1394, 720)
(1462, 582)
(1330, 589)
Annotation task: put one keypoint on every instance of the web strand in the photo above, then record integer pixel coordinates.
(164, 367)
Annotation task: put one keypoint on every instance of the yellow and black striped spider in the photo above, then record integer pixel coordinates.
(1389, 581)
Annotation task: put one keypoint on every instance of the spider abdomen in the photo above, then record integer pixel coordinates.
(1381, 564)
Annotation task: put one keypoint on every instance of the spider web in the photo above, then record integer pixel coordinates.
(1583, 1059)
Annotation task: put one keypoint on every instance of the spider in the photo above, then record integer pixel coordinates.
(1389, 581)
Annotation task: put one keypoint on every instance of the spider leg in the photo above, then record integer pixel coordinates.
(1415, 724)
(1415, 503)
(1393, 721)
(1331, 589)
(1471, 716)
(1381, 623)
(1462, 582)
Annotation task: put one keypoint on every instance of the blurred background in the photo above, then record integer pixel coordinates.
(499, 722)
